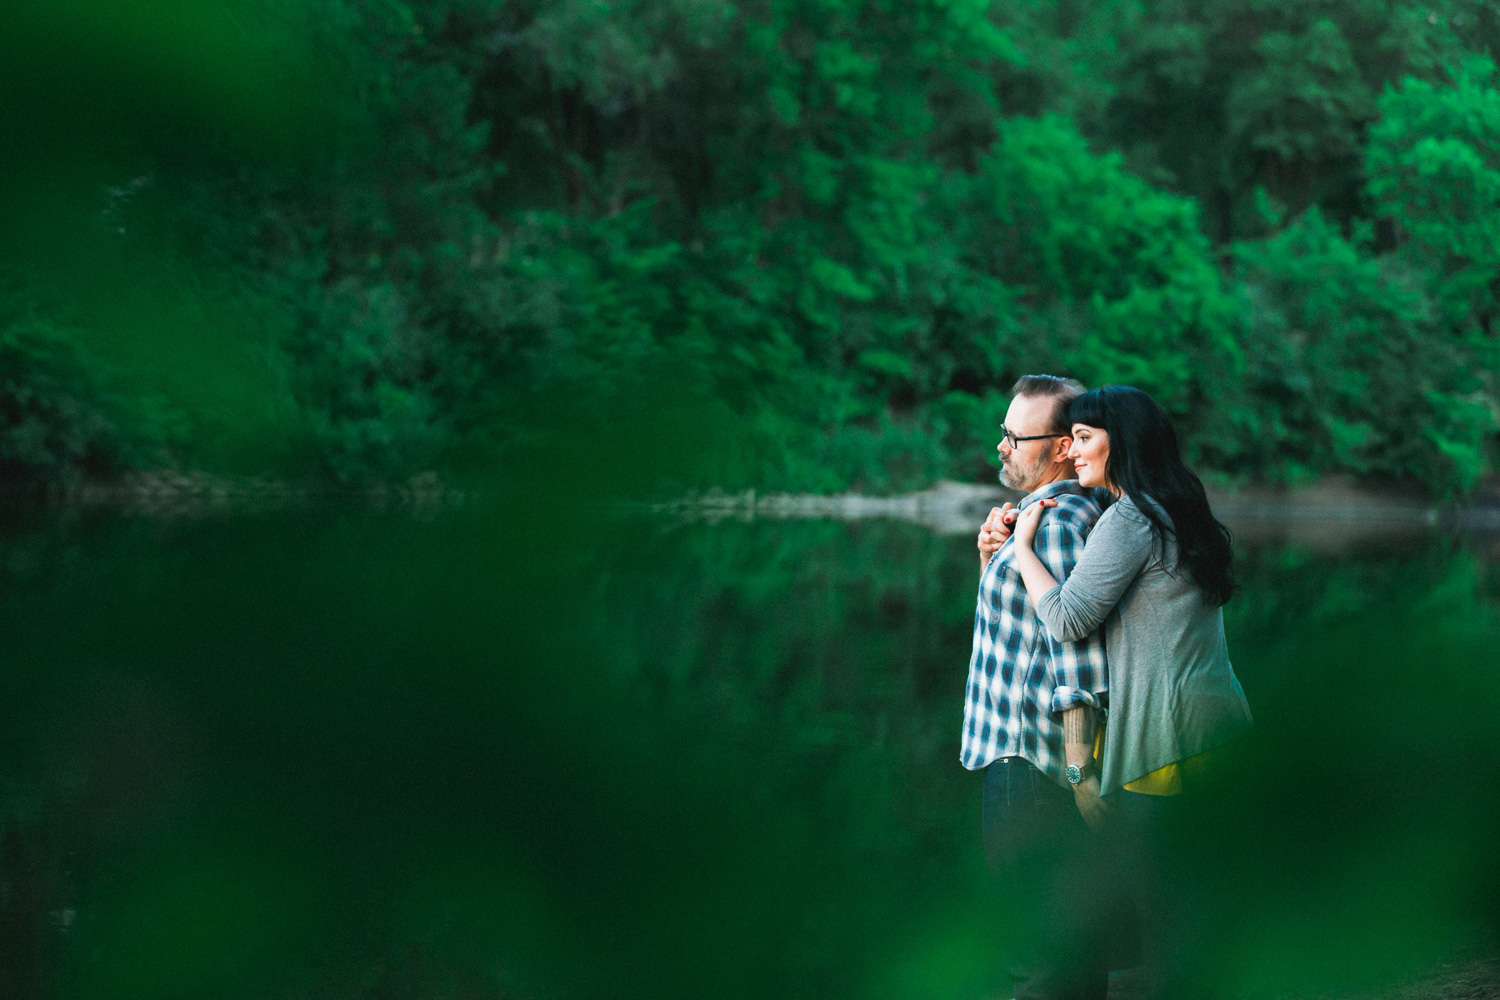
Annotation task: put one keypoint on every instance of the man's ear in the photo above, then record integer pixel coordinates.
(1061, 447)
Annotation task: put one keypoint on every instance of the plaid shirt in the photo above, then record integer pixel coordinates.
(1020, 678)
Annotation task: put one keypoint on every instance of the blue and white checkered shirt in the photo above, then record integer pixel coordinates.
(1021, 679)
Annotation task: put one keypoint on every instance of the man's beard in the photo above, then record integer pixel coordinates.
(1022, 477)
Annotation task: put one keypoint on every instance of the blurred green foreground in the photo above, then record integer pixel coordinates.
(337, 753)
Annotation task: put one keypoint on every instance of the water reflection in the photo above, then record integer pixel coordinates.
(330, 752)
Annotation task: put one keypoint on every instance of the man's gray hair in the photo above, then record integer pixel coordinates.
(1061, 390)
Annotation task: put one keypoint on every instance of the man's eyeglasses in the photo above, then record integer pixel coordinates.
(1006, 435)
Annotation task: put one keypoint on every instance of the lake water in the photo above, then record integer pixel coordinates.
(497, 752)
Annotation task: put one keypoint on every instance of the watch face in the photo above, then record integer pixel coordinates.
(1075, 775)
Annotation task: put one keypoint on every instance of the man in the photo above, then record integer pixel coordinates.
(1030, 714)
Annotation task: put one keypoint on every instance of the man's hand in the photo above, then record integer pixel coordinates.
(1095, 811)
(995, 530)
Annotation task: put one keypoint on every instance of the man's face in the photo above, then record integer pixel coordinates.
(1024, 466)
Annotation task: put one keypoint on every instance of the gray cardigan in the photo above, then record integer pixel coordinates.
(1172, 690)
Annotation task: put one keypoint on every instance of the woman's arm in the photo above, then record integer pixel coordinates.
(1078, 662)
(1118, 548)
(1038, 578)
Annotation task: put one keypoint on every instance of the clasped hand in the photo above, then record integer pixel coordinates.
(1026, 524)
(1096, 812)
(996, 529)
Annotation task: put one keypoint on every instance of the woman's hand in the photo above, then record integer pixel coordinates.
(1026, 524)
(1096, 812)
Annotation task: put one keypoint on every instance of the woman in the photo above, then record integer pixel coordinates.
(1154, 575)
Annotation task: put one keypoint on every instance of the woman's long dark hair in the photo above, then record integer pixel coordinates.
(1145, 464)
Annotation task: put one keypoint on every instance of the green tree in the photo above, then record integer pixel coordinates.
(781, 243)
(1349, 368)
(1434, 163)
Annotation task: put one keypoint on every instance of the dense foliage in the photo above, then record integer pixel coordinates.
(806, 243)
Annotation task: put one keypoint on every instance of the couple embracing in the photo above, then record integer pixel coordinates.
(1099, 685)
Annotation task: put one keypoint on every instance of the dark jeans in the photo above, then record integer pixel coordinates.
(1054, 878)
(1160, 841)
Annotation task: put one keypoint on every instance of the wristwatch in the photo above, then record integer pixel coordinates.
(1077, 774)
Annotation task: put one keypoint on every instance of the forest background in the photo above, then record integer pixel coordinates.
(800, 244)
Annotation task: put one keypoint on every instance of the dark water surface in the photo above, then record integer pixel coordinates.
(341, 753)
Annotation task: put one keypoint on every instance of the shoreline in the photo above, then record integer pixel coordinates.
(952, 507)
(1332, 510)
(169, 492)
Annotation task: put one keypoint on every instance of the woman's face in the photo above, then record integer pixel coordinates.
(1090, 455)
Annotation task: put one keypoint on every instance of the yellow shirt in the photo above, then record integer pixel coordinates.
(1164, 780)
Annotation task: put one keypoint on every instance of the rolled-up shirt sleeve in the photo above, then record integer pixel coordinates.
(1079, 668)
